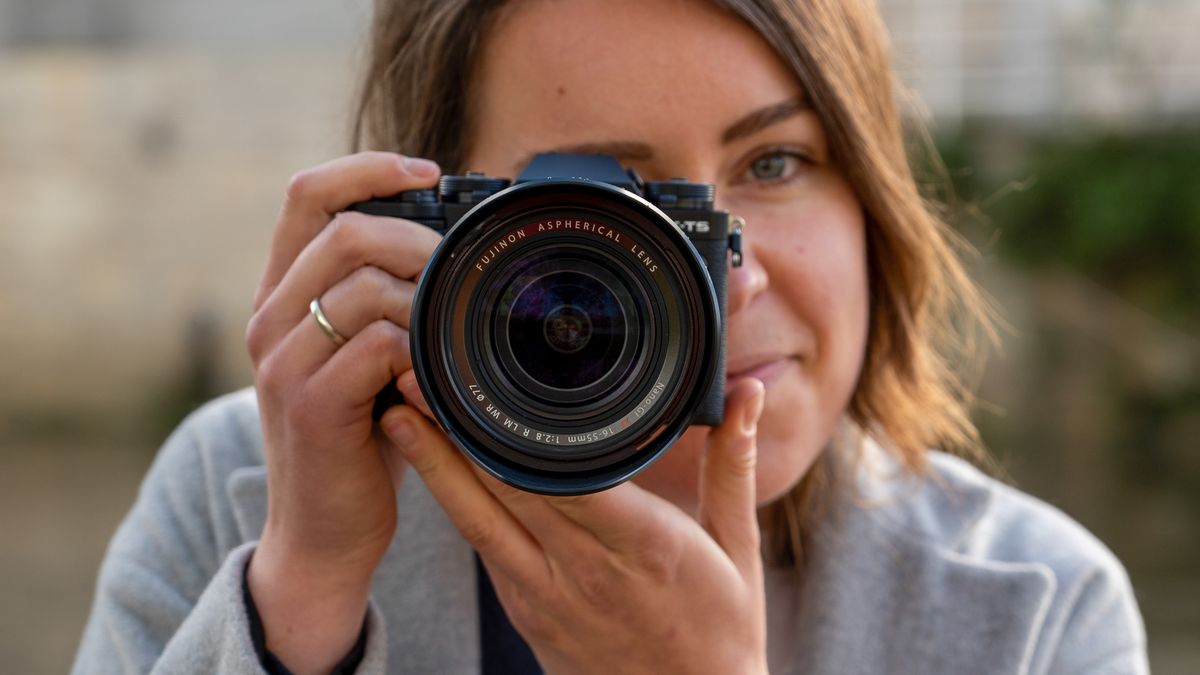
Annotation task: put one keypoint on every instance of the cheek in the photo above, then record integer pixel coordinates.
(814, 254)
(815, 257)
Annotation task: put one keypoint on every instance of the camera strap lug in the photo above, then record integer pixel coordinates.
(735, 240)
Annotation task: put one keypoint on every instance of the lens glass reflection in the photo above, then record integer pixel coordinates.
(566, 329)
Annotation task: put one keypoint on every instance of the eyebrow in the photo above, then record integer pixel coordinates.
(762, 118)
(636, 150)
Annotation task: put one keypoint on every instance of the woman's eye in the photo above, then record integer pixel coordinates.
(774, 167)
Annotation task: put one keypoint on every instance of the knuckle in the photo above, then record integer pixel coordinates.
(660, 561)
(268, 381)
(383, 337)
(383, 159)
(597, 586)
(480, 533)
(256, 338)
(386, 342)
(347, 231)
(742, 459)
(267, 375)
(300, 185)
(370, 282)
(394, 162)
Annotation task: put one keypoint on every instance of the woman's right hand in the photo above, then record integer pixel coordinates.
(331, 476)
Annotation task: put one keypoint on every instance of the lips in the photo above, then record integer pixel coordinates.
(763, 367)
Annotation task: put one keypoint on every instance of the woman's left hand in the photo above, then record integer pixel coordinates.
(620, 580)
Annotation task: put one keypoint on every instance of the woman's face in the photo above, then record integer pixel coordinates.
(680, 88)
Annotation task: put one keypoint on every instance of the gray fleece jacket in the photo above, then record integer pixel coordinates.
(952, 573)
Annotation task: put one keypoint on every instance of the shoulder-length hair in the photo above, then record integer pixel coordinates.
(416, 97)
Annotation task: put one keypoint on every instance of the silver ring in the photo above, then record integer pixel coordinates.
(323, 321)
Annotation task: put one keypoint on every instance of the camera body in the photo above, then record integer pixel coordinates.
(570, 326)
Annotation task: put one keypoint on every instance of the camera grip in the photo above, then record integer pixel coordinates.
(714, 252)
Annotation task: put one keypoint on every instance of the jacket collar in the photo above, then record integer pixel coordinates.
(896, 582)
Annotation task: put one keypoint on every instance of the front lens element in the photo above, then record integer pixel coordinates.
(566, 327)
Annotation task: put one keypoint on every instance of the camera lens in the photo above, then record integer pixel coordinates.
(567, 329)
(563, 333)
(564, 329)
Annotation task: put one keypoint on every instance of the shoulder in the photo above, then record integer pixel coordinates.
(964, 519)
(209, 445)
(169, 588)
(185, 504)
(223, 433)
(957, 507)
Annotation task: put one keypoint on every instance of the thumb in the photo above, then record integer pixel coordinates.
(728, 500)
(399, 431)
(407, 384)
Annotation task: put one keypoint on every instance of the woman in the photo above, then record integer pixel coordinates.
(811, 532)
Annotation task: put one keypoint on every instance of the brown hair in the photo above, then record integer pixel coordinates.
(925, 312)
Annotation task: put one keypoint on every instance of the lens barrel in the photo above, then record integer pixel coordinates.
(563, 333)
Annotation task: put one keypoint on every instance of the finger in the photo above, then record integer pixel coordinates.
(315, 195)
(728, 500)
(407, 384)
(368, 295)
(392, 457)
(481, 519)
(626, 518)
(556, 534)
(352, 241)
(360, 368)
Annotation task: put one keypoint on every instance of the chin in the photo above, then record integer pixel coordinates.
(783, 460)
(795, 428)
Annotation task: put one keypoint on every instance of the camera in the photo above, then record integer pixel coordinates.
(570, 325)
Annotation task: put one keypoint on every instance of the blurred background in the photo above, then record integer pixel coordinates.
(145, 146)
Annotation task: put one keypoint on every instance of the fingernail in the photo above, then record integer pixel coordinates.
(402, 432)
(420, 167)
(754, 410)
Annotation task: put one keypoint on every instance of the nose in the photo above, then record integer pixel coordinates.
(749, 280)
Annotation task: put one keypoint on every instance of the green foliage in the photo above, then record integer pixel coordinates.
(1121, 210)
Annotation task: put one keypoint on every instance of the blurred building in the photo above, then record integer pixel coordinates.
(144, 147)
(1039, 63)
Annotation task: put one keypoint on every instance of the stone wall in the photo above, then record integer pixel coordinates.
(138, 190)
(1059, 64)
